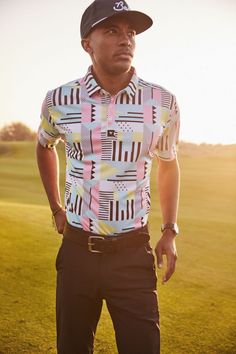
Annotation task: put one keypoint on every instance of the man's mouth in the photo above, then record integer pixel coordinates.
(124, 54)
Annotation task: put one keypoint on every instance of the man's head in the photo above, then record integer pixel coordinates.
(108, 30)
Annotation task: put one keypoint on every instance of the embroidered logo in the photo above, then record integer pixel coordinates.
(120, 6)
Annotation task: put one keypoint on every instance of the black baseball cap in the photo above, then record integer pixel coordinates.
(101, 10)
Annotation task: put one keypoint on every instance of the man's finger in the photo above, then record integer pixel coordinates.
(159, 257)
(60, 230)
(60, 223)
(171, 262)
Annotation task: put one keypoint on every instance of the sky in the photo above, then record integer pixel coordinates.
(190, 50)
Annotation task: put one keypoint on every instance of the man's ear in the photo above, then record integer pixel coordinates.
(86, 45)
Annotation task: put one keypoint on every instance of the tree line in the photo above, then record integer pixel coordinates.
(17, 131)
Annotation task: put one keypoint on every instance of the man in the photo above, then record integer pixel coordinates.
(112, 123)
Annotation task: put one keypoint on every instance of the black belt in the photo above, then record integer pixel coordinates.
(106, 244)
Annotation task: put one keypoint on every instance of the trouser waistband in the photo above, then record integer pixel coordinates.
(106, 244)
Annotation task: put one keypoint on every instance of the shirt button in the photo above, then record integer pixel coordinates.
(111, 133)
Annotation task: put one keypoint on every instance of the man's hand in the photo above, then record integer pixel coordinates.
(60, 221)
(166, 246)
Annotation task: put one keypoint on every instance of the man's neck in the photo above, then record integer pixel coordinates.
(113, 83)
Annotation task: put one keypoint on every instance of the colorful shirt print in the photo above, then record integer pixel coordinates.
(110, 142)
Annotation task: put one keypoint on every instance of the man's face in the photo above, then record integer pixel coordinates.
(111, 46)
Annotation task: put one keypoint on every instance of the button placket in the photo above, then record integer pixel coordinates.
(111, 112)
(111, 118)
(105, 101)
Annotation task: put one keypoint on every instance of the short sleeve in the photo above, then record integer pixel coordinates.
(168, 141)
(48, 134)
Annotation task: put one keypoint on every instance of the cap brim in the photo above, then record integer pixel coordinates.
(138, 20)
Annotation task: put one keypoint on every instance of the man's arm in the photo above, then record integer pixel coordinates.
(168, 185)
(48, 165)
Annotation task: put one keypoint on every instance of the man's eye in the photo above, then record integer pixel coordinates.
(111, 30)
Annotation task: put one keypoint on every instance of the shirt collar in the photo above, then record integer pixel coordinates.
(92, 86)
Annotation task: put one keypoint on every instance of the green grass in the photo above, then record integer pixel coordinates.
(198, 305)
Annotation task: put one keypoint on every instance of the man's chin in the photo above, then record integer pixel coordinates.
(121, 68)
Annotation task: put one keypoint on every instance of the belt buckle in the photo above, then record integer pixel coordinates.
(91, 244)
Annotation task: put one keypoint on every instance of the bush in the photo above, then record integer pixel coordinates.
(17, 132)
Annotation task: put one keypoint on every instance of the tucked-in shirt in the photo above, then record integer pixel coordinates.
(110, 142)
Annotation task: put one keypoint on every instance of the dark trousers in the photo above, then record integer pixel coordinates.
(126, 280)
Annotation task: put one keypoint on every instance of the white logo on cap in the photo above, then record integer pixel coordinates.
(120, 6)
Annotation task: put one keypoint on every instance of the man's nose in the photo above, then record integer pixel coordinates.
(125, 39)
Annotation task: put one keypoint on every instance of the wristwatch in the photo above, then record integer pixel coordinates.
(173, 227)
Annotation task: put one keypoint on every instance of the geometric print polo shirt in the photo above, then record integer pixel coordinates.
(110, 142)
